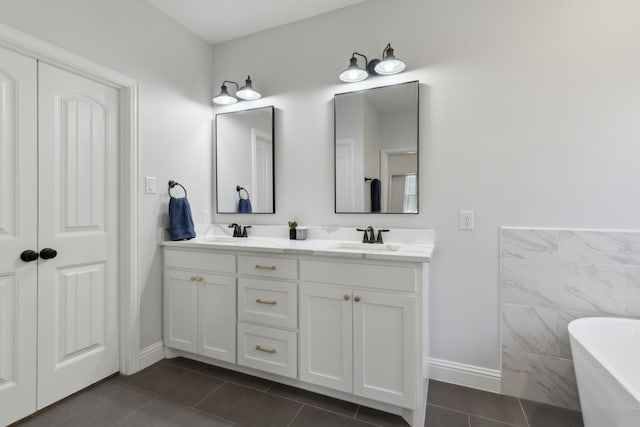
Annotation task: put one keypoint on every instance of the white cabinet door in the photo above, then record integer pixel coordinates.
(217, 317)
(78, 217)
(384, 351)
(325, 336)
(18, 232)
(181, 310)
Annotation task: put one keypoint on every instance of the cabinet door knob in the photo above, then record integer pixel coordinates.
(193, 278)
(356, 299)
(200, 278)
(346, 297)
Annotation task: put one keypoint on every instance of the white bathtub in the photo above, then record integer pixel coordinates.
(606, 358)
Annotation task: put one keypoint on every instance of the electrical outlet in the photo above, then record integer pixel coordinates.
(466, 220)
(206, 216)
(150, 186)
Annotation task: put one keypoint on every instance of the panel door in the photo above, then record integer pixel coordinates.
(325, 336)
(18, 228)
(217, 317)
(181, 310)
(77, 194)
(384, 353)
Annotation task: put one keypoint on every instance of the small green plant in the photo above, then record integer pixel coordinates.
(293, 225)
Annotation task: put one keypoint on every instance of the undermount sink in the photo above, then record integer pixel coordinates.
(221, 239)
(367, 247)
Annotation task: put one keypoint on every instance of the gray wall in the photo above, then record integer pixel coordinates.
(529, 115)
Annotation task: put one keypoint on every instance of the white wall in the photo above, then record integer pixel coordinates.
(174, 70)
(530, 116)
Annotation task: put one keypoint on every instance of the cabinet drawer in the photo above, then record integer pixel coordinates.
(282, 268)
(187, 260)
(268, 349)
(268, 301)
(389, 277)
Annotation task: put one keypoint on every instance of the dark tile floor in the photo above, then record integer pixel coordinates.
(182, 392)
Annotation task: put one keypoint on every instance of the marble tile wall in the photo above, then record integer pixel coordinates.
(548, 278)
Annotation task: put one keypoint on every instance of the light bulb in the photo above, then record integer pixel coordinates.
(390, 66)
(353, 73)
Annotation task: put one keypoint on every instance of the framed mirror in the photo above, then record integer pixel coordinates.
(376, 150)
(244, 150)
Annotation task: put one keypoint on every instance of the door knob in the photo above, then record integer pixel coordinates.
(29, 255)
(48, 253)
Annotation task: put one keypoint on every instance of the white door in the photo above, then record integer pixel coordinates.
(18, 232)
(77, 195)
(383, 347)
(217, 317)
(181, 310)
(262, 171)
(325, 336)
(345, 176)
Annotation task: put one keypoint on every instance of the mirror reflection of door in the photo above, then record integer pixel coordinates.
(262, 170)
(399, 172)
(345, 175)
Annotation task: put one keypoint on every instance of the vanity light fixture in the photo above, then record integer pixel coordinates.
(246, 93)
(353, 73)
(386, 66)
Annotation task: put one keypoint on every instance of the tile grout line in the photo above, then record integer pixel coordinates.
(355, 416)
(524, 414)
(133, 412)
(447, 408)
(469, 419)
(296, 415)
(208, 394)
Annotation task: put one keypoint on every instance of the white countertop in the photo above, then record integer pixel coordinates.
(414, 251)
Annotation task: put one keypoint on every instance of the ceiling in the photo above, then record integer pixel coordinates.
(216, 21)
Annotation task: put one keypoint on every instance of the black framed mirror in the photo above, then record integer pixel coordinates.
(376, 145)
(244, 151)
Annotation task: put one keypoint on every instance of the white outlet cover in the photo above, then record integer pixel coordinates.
(466, 220)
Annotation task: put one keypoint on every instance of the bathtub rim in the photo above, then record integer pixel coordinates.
(578, 323)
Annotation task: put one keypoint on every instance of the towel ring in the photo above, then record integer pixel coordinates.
(172, 184)
(238, 189)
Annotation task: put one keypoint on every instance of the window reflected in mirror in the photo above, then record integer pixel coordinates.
(376, 150)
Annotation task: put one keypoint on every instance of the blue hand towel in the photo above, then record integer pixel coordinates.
(180, 220)
(244, 206)
(375, 195)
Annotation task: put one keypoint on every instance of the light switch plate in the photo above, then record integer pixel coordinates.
(150, 186)
(466, 220)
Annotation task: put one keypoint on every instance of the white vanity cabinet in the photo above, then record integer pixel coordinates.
(347, 325)
(200, 303)
(357, 332)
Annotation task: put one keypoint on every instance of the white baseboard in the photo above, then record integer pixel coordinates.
(151, 354)
(465, 375)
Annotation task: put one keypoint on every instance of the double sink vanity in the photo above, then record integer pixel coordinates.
(329, 314)
(341, 313)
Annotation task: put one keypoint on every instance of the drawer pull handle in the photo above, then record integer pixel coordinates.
(265, 267)
(346, 297)
(266, 350)
(259, 301)
(356, 299)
